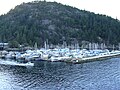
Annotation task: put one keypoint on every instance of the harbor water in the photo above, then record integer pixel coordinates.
(98, 75)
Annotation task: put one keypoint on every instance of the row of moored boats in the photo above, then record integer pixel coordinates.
(65, 54)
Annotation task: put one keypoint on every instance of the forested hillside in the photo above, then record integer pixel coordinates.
(36, 22)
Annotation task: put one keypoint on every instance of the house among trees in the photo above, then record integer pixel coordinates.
(3, 46)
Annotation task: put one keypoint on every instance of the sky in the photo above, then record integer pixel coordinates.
(106, 7)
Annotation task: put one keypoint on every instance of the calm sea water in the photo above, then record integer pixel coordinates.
(99, 75)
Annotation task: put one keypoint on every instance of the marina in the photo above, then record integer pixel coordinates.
(59, 55)
(59, 45)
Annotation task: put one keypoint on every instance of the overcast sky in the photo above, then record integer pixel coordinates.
(107, 7)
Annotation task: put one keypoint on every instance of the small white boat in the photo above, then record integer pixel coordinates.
(25, 64)
(57, 58)
(10, 55)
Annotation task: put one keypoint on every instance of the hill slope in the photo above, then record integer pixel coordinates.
(40, 21)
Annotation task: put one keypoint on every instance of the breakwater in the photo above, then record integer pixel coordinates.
(93, 58)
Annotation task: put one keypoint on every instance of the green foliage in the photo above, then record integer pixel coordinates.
(13, 44)
(35, 22)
